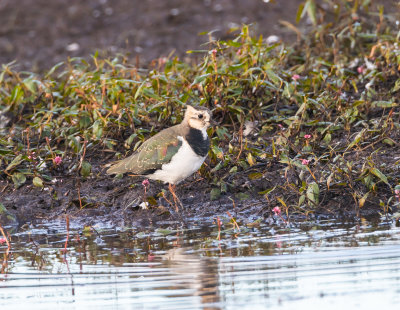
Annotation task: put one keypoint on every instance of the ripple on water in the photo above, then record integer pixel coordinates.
(325, 266)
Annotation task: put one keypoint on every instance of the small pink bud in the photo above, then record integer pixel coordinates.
(280, 126)
(145, 183)
(277, 211)
(397, 192)
(307, 136)
(295, 77)
(305, 161)
(214, 52)
(162, 60)
(58, 160)
(361, 69)
(2, 240)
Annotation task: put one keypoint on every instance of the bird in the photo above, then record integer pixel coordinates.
(174, 153)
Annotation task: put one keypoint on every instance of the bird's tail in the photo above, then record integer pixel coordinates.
(117, 167)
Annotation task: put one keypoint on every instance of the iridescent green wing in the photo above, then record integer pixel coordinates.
(157, 151)
(151, 155)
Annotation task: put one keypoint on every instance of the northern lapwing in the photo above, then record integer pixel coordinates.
(174, 153)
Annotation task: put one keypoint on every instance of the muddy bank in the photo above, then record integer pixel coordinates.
(120, 200)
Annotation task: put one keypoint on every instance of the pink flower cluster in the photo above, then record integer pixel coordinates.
(277, 211)
(32, 156)
(361, 69)
(295, 77)
(57, 160)
(305, 161)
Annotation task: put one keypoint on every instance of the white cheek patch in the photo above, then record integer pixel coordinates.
(204, 133)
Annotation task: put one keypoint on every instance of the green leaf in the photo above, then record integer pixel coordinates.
(18, 179)
(250, 159)
(379, 174)
(311, 10)
(356, 139)
(362, 201)
(129, 141)
(217, 151)
(255, 175)
(396, 86)
(301, 200)
(138, 91)
(327, 138)
(384, 104)
(98, 129)
(16, 93)
(266, 191)
(313, 193)
(215, 193)
(164, 231)
(152, 201)
(283, 203)
(54, 68)
(242, 196)
(299, 14)
(200, 78)
(273, 77)
(30, 85)
(16, 161)
(388, 141)
(86, 169)
(38, 182)
(234, 169)
(7, 218)
(84, 121)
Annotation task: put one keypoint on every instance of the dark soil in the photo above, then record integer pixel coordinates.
(38, 34)
(104, 198)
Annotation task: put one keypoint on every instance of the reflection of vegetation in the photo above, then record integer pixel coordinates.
(45, 252)
(302, 123)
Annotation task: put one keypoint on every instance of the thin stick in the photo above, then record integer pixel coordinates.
(66, 241)
(233, 220)
(5, 237)
(219, 228)
(5, 261)
(79, 196)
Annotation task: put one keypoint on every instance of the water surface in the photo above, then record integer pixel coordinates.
(328, 265)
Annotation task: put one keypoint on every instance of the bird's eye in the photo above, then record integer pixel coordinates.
(200, 116)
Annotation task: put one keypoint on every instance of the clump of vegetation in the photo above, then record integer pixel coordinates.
(300, 126)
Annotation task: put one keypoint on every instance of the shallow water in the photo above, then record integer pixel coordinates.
(307, 266)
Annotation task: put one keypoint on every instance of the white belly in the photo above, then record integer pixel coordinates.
(183, 164)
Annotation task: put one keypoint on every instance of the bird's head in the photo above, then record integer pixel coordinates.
(198, 117)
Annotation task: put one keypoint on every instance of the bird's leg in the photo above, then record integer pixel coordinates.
(176, 199)
(166, 199)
